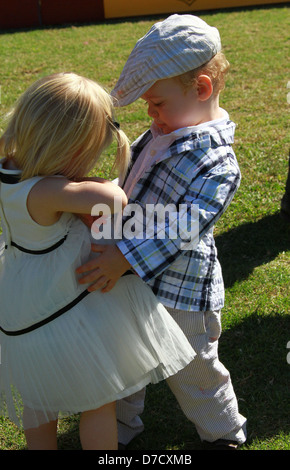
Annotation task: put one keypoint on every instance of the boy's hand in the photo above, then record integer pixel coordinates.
(105, 270)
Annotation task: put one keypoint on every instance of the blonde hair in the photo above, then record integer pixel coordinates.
(61, 125)
(216, 69)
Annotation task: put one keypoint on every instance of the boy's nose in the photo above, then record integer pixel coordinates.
(152, 112)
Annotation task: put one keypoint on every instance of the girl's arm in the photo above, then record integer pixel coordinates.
(52, 196)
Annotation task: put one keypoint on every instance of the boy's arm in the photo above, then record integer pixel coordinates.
(212, 192)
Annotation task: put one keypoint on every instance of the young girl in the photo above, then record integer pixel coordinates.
(66, 350)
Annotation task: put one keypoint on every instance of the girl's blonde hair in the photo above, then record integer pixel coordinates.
(216, 69)
(61, 125)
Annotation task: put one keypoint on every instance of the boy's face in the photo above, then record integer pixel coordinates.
(171, 106)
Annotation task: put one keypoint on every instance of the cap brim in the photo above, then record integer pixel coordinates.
(119, 101)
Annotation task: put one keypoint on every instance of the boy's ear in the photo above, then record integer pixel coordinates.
(204, 87)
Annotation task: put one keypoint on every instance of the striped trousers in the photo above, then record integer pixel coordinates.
(203, 388)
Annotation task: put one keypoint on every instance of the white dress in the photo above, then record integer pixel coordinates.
(64, 350)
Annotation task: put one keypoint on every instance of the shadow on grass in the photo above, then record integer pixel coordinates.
(247, 246)
(68, 439)
(255, 353)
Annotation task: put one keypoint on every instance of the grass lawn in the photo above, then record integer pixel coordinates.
(253, 242)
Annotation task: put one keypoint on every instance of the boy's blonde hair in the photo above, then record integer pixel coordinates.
(216, 68)
(61, 125)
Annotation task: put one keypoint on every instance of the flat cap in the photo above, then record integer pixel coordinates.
(171, 47)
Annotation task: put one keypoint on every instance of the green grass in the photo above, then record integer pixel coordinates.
(253, 242)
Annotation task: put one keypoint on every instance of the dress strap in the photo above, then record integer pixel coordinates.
(9, 179)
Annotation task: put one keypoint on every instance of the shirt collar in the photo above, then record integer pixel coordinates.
(208, 134)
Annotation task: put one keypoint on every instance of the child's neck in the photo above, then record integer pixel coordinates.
(211, 110)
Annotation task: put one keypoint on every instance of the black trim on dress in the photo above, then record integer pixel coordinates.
(48, 319)
(38, 252)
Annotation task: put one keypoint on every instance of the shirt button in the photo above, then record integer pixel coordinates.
(153, 153)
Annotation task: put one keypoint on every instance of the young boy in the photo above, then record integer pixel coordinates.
(185, 158)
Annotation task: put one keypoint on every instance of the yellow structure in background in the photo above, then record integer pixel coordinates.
(123, 8)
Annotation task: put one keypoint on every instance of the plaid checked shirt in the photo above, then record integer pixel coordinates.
(198, 168)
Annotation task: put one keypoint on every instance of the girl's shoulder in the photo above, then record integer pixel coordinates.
(41, 197)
